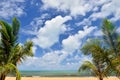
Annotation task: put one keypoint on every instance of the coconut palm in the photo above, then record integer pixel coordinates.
(112, 42)
(99, 55)
(10, 50)
(9, 67)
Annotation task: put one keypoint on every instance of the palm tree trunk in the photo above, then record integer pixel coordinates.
(100, 78)
(99, 70)
(2, 77)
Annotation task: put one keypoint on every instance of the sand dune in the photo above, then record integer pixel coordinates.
(61, 78)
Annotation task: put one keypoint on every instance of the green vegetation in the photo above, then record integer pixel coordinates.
(112, 42)
(98, 66)
(105, 52)
(11, 52)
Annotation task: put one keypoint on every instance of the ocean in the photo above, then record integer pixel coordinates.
(59, 73)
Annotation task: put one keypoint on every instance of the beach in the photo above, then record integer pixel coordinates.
(61, 78)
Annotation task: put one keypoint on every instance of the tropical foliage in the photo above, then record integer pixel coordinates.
(105, 52)
(11, 52)
(112, 42)
(97, 66)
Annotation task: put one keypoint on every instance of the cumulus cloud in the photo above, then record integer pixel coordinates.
(11, 8)
(50, 61)
(35, 24)
(78, 7)
(107, 9)
(49, 34)
(73, 42)
(53, 60)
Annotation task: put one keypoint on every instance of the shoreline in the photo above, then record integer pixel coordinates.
(61, 78)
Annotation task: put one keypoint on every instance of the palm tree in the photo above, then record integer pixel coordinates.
(9, 67)
(112, 42)
(10, 50)
(99, 55)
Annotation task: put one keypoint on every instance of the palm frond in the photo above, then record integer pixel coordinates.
(87, 65)
(110, 35)
(15, 25)
(3, 30)
(10, 68)
(89, 46)
(27, 48)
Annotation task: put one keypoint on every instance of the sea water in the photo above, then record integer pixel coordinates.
(55, 73)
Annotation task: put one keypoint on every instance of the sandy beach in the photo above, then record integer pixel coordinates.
(61, 78)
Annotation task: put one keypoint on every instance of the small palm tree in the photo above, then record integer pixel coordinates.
(98, 65)
(10, 50)
(9, 67)
(112, 41)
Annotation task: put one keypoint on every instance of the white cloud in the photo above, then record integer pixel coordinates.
(11, 8)
(70, 44)
(53, 60)
(34, 48)
(52, 57)
(35, 24)
(50, 61)
(73, 42)
(37, 63)
(78, 7)
(38, 21)
(98, 33)
(49, 34)
(107, 9)
(118, 30)
(44, 39)
(85, 22)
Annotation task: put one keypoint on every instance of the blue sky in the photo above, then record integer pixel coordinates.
(58, 28)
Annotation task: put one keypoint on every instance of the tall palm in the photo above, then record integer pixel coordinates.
(10, 50)
(99, 55)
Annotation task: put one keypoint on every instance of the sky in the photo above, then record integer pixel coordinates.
(59, 29)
